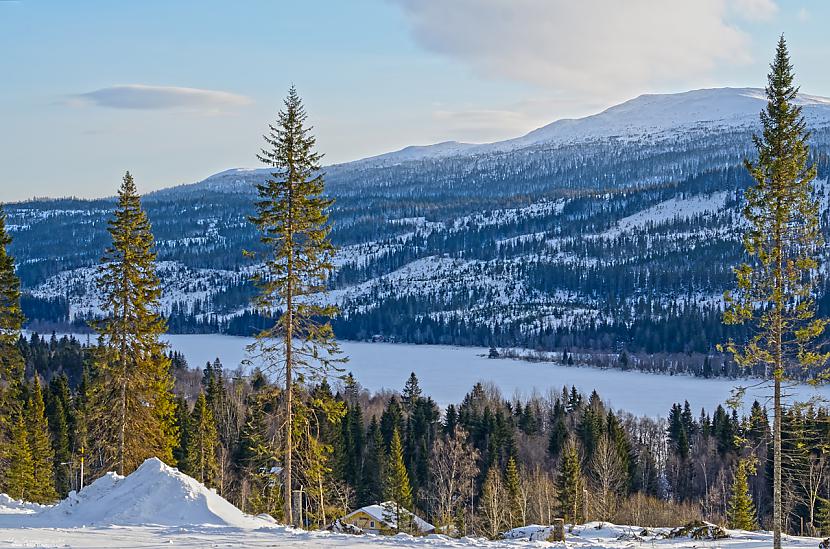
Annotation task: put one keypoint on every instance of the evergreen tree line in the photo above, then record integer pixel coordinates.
(479, 467)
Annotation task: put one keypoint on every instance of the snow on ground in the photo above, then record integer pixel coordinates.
(154, 494)
(281, 537)
(159, 506)
(9, 506)
(448, 373)
(179, 284)
(668, 211)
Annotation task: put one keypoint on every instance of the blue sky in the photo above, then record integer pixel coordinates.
(176, 90)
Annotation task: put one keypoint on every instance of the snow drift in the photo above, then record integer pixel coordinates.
(154, 494)
(10, 506)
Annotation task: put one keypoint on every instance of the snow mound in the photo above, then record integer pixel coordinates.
(10, 506)
(154, 494)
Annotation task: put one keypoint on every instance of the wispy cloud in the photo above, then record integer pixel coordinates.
(594, 48)
(509, 120)
(755, 10)
(144, 97)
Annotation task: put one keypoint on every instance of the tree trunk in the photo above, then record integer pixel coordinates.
(289, 420)
(776, 485)
(778, 374)
(123, 428)
(289, 341)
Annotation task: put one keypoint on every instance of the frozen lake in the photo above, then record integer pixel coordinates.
(448, 373)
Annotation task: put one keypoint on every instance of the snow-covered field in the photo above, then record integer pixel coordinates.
(158, 506)
(448, 373)
(139, 537)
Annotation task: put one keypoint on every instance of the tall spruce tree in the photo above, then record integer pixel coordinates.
(397, 489)
(291, 215)
(203, 441)
(570, 485)
(741, 513)
(371, 486)
(513, 486)
(40, 444)
(132, 401)
(11, 361)
(59, 412)
(19, 481)
(775, 289)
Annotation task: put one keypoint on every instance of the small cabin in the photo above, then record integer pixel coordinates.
(382, 519)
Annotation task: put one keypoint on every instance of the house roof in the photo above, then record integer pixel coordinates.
(385, 513)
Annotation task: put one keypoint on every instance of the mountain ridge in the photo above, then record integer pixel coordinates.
(596, 242)
(653, 113)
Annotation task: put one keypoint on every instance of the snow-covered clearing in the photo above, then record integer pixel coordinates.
(159, 506)
(668, 211)
(448, 373)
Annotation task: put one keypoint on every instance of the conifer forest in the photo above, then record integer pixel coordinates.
(677, 235)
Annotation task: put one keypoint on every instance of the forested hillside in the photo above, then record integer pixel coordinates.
(606, 233)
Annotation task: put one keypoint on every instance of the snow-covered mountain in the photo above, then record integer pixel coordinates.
(651, 119)
(598, 232)
(650, 114)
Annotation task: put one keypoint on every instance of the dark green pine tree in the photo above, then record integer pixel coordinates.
(776, 287)
(391, 420)
(19, 481)
(591, 426)
(351, 446)
(292, 217)
(80, 421)
(11, 361)
(397, 489)
(558, 430)
(371, 486)
(450, 421)
(202, 444)
(570, 486)
(183, 428)
(512, 485)
(741, 511)
(619, 438)
(132, 399)
(59, 414)
(214, 383)
(411, 392)
(40, 444)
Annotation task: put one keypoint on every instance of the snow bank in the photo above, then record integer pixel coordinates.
(154, 494)
(9, 506)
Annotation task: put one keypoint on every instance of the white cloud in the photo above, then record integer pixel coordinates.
(484, 125)
(755, 10)
(803, 15)
(601, 49)
(143, 97)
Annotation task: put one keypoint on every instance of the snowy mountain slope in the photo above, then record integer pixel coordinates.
(596, 232)
(658, 114)
(655, 117)
(669, 210)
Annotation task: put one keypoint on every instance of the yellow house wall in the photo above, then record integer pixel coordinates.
(364, 521)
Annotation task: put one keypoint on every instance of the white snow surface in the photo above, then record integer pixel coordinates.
(154, 494)
(669, 211)
(10, 506)
(158, 506)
